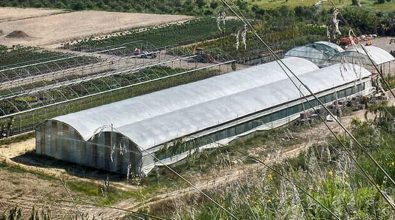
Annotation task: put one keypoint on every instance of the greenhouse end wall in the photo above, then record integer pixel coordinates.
(107, 151)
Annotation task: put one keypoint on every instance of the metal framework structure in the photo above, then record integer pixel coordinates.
(36, 88)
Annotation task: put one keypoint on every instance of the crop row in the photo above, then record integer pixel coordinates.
(283, 39)
(27, 121)
(20, 62)
(158, 37)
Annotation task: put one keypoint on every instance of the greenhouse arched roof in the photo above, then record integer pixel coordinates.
(308, 52)
(378, 55)
(163, 116)
(318, 52)
(357, 54)
(334, 46)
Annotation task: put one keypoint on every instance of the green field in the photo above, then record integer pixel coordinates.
(370, 4)
(159, 37)
(17, 62)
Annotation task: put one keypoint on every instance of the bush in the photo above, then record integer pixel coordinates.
(79, 6)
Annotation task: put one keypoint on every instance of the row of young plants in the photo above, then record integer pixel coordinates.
(27, 121)
(326, 172)
(17, 62)
(282, 39)
(170, 35)
(82, 89)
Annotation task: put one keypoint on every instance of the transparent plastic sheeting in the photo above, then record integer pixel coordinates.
(138, 109)
(310, 53)
(335, 47)
(319, 52)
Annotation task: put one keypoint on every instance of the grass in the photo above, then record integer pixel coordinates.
(273, 4)
(17, 138)
(91, 190)
(19, 169)
(260, 142)
(325, 171)
(158, 37)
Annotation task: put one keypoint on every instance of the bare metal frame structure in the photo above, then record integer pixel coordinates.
(78, 84)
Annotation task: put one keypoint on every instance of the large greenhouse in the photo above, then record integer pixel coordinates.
(164, 127)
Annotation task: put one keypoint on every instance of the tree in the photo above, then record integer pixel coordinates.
(213, 4)
(78, 6)
(200, 3)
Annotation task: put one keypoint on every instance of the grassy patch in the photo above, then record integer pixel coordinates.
(370, 4)
(16, 139)
(19, 169)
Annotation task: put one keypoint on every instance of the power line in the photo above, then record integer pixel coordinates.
(88, 204)
(279, 61)
(178, 175)
(367, 54)
(290, 181)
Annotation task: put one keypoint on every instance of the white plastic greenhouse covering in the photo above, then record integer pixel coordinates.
(160, 117)
(378, 55)
(133, 117)
(166, 127)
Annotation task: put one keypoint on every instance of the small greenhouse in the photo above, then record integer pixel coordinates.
(357, 55)
(318, 53)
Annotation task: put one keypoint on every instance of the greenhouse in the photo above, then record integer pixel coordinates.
(164, 127)
(357, 55)
(319, 52)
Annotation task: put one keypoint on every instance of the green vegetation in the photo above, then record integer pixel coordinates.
(190, 7)
(158, 37)
(386, 5)
(27, 121)
(280, 39)
(98, 194)
(16, 139)
(391, 81)
(19, 56)
(325, 171)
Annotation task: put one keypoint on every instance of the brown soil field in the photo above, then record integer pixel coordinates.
(57, 28)
(12, 14)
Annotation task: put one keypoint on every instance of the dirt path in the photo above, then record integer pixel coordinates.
(218, 178)
(209, 181)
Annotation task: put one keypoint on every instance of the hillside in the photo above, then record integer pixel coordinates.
(189, 7)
